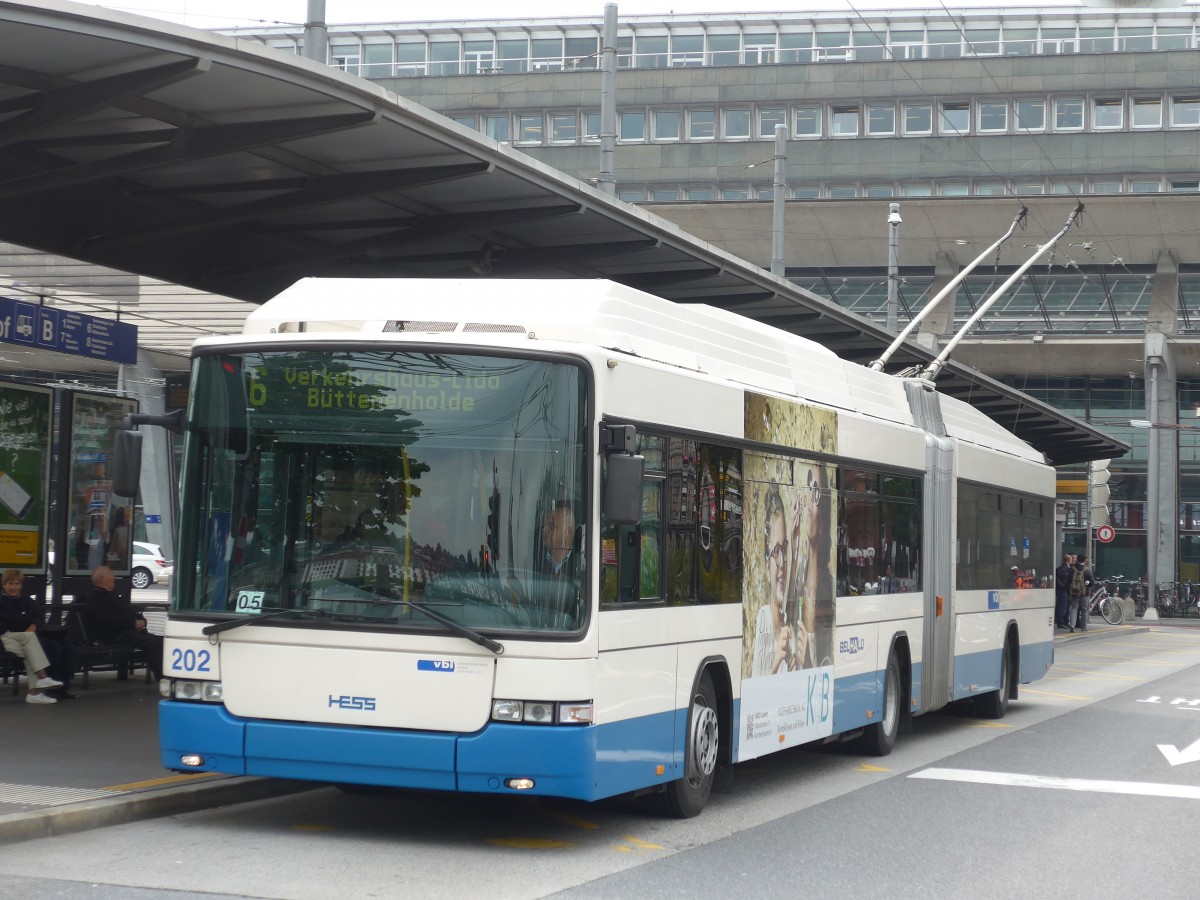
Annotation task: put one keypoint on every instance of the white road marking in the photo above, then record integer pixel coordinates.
(1011, 779)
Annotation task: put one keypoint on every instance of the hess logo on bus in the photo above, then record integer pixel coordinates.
(367, 704)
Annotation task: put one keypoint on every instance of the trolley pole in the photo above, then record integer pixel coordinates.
(607, 181)
(316, 33)
(893, 285)
(778, 195)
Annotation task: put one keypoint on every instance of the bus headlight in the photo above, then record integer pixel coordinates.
(195, 691)
(543, 712)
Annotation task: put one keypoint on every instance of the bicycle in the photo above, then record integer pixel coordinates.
(1110, 609)
(1168, 599)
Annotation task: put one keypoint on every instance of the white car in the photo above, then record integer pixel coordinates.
(149, 566)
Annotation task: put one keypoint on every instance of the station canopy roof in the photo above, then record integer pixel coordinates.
(232, 169)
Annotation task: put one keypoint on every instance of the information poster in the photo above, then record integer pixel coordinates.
(25, 435)
(100, 527)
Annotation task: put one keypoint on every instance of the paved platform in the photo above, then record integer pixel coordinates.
(94, 761)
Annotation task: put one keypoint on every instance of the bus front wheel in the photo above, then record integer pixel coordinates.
(686, 797)
(879, 738)
(994, 704)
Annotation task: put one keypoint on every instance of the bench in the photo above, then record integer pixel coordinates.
(11, 666)
(92, 654)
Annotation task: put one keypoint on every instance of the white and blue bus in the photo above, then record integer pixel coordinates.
(568, 539)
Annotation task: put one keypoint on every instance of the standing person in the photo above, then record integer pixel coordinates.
(1062, 585)
(20, 612)
(113, 619)
(1079, 594)
(888, 584)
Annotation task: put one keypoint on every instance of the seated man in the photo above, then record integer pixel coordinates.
(19, 636)
(113, 620)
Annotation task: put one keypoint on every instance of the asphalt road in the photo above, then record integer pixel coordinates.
(1069, 796)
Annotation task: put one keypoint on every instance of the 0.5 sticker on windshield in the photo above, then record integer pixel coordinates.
(249, 601)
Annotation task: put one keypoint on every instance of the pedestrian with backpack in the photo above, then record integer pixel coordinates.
(1079, 594)
(1062, 586)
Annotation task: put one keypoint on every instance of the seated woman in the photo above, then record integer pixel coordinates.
(20, 637)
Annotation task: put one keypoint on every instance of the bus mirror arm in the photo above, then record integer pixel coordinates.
(127, 449)
(172, 421)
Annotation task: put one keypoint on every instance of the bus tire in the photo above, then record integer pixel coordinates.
(994, 704)
(879, 738)
(687, 796)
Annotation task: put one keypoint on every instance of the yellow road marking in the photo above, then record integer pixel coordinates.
(640, 844)
(1134, 659)
(1099, 674)
(989, 725)
(1029, 690)
(867, 767)
(570, 820)
(530, 843)
(312, 828)
(158, 782)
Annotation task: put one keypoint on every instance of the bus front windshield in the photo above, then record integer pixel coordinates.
(358, 486)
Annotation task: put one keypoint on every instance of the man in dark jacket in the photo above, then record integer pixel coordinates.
(1062, 583)
(113, 620)
(1080, 594)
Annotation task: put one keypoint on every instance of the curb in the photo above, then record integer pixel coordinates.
(135, 807)
(1099, 634)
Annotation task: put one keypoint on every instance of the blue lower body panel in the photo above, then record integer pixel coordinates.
(584, 762)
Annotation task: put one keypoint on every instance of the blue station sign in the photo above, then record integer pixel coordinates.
(46, 328)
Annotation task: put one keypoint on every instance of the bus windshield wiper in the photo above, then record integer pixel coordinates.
(218, 627)
(461, 630)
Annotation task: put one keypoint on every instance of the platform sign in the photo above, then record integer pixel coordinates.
(25, 435)
(47, 328)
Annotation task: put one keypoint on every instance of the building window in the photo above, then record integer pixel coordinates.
(735, 124)
(953, 190)
(377, 60)
(1185, 111)
(1031, 115)
(918, 118)
(703, 195)
(768, 118)
(990, 189)
(564, 128)
(724, 49)
(842, 192)
(807, 121)
(496, 127)
(1145, 187)
(630, 196)
(632, 126)
(512, 55)
(880, 190)
(443, 57)
(581, 52)
(1106, 187)
(1174, 37)
(687, 50)
(916, 190)
(666, 124)
(1029, 187)
(1185, 187)
(465, 121)
(702, 124)
(651, 52)
(478, 56)
(345, 57)
(956, 117)
(1074, 188)
(529, 129)
(664, 194)
(591, 126)
(735, 193)
(1068, 114)
(993, 115)
(807, 192)
(881, 120)
(843, 121)
(410, 58)
(1146, 112)
(760, 49)
(1107, 112)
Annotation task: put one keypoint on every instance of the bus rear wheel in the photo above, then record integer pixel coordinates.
(879, 738)
(687, 796)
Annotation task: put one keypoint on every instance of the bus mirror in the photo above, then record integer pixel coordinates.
(623, 489)
(127, 463)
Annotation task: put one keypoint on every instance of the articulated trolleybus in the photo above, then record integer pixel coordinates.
(564, 538)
